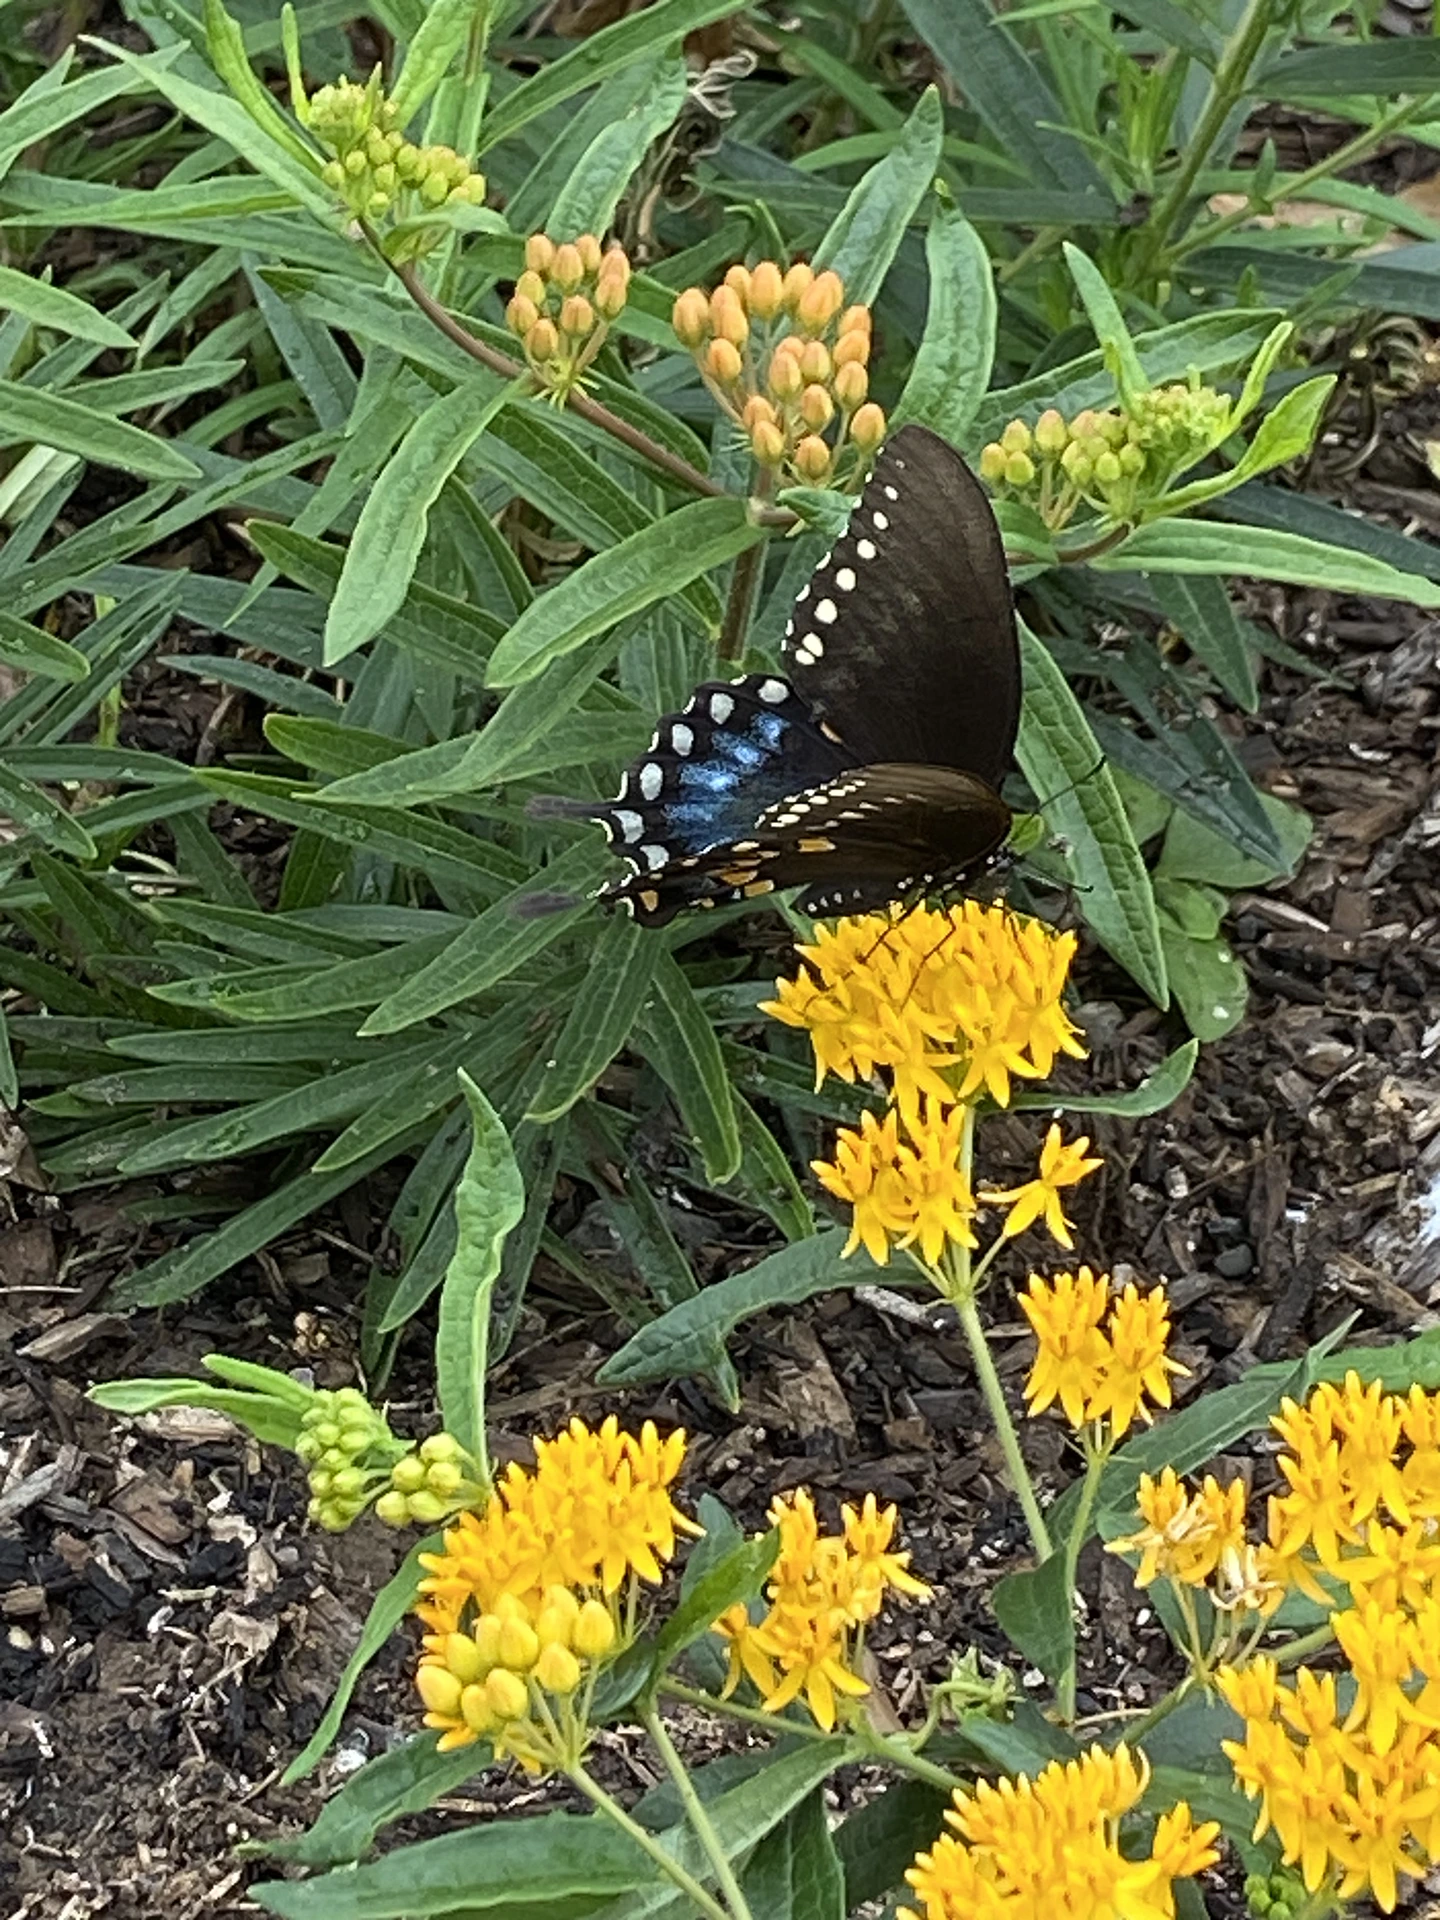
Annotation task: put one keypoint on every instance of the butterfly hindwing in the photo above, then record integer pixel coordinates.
(904, 639)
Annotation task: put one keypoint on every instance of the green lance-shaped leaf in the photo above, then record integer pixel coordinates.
(682, 1046)
(587, 201)
(1160, 1088)
(600, 1018)
(1066, 771)
(648, 566)
(226, 46)
(391, 529)
(31, 807)
(1111, 331)
(868, 229)
(489, 1201)
(1034, 1608)
(437, 40)
(408, 1779)
(952, 367)
(26, 413)
(49, 306)
(35, 651)
(1265, 553)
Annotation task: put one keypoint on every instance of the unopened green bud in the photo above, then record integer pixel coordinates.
(384, 178)
(444, 1478)
(1078, 464)
(355, 163)
(1016, 437)
(992, 463)
(408, 1475)
(1051, 433)
(433, 189)
(348, 1483)
(1107, 468)
(1019, 470)
(393, 1509)
(427, 1507)
(1132, 461)
(470, 192)
(440, 1446)
(333, 174)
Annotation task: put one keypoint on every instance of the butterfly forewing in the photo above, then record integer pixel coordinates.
(904, 639)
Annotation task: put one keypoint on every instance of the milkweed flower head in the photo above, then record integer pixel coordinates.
(948, 1002)
(1062, 1164)
(905, 1181)
(1101, 1354)
(1048, 1848)
(822, 1591)
(531, 1594)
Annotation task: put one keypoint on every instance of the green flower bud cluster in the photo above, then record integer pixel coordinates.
(428, 1485)
(375, 170)
(1110, 459)
(340, 1437)
(1275, 1896)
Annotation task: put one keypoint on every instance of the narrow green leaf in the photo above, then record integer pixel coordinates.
(1066, 771)
(439, 37)
(1262, 553)
(51, 420)
(597, 55)
(1408, 65)
(795, 1872)
(613, 585)
(735, 1577)
(268, 1419)
(1108, 323)
(43, 108)
(391, 529)
(489, 1201)
(1007, 91)
(600, 1018)
(683, 1340)
(866, 234)
(387, 1610)
(587, 201)
(1160, 1088)
(1201, 612)
(31, 807)
(36, 651)
(407, 1780)
(684, 1050)
(1035, 1609)
(952, 366)
(48, 306)
(225, 44)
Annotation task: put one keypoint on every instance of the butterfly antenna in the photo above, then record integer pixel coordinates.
(1089, 774)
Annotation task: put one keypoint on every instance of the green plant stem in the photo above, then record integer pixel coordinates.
(903, 1757)
(1226, 92)
(1095, 1460)
(695, 1812)
(751, 1716)
(648, 1844)
(1315, 1641)
(1004, 1428)
(1346, 156)
(578, 402)
(744, 584)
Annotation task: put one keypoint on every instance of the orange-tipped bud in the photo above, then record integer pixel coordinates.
(531, 287)
(723, 362)
(800, 276)
(784, 377)
(812, 458)
(867, 429)
(855, 320)
(588, 248)
(690, 317)
(577, 316)
(766, 286)
(820, 302)
(852, 349)
(850, 385)
(727, 317)
(567, 269)
(1051, 433)
(815, 361)
(757, 409)
(612, 286)
(542, 343)
(767, 443)
(539, 253)
(737, 278)
(521, 315)
(817, 409)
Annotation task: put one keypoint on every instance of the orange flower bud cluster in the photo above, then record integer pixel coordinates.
(787, 360)
(563, 304)
(377, 172)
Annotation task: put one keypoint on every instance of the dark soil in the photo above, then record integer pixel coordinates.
(173, 1629)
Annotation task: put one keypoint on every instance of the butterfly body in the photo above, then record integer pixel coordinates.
(868, 768)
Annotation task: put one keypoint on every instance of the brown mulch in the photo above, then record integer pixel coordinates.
(172, 1629)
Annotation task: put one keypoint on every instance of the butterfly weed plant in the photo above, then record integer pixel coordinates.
(525, 419)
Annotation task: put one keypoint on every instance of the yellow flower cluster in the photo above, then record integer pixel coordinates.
(1101, 1355)
(786, 360)
(1049, 1849)
(375, 169)
(1198, 1540)
(1353, 1797)
(821, 1592)
(1102, 456)
(563, 305)
(529, 1594)
(950, 1004)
